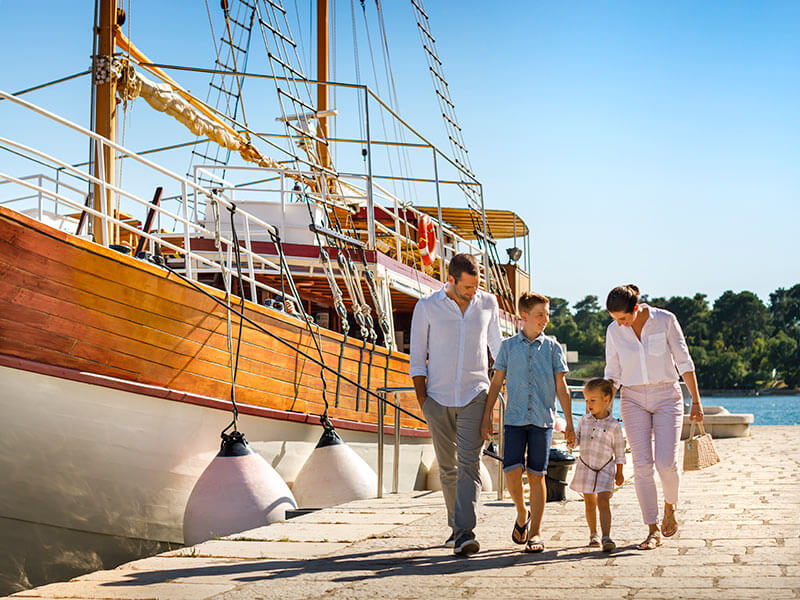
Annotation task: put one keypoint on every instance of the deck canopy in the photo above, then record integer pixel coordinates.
(501, 222)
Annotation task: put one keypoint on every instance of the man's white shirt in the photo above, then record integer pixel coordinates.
(449, 348)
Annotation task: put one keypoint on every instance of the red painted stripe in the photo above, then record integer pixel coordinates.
(155, 391)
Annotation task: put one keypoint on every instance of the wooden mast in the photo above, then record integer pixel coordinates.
(322, 75)
(105, 119)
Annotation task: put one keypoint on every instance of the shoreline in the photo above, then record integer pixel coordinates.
(747, 393)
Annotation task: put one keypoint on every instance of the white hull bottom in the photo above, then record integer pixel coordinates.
(90, 471)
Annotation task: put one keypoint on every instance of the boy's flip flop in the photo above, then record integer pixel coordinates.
(520, 533)
(534, 545)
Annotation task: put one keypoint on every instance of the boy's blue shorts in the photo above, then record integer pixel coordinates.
(535, 439)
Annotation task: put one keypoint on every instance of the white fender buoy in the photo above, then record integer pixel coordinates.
(436, 485)
(333, 474)
(239, 490)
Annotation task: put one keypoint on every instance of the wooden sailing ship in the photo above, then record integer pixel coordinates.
(122, 342)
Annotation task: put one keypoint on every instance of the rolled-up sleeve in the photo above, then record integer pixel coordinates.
(493, 337)
(613, 370)
(677, 346)
(418, 362)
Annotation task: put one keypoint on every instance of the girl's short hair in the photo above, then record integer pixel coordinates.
(623, 298)
(604, 386)
(527, 300)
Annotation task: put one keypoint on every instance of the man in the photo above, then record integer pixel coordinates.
(450, 331)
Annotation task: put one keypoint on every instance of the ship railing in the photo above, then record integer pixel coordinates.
(357, 184)
(115, 221)
(42, 199)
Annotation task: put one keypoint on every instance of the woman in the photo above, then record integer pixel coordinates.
(645, 353)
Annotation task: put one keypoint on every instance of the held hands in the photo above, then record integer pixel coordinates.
(569, 435)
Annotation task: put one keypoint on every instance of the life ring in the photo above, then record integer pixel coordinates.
(426, 238)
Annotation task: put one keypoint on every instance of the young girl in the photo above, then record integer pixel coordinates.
(599, 436)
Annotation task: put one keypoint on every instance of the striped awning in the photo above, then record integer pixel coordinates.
(463, 220)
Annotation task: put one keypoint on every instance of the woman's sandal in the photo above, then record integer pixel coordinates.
(520, 533)
(651, 542)
(672, 530)
(534, 545)
(594, 541)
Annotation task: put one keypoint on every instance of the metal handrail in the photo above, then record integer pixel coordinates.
(383, 391)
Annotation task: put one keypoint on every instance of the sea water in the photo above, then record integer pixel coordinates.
(766, 410)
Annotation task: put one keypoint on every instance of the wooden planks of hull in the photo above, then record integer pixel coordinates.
(67, 302)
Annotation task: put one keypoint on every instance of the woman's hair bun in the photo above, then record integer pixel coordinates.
(623, 298)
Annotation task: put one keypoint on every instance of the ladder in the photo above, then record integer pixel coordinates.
(224, 91)
(497, 280)
(295, 95)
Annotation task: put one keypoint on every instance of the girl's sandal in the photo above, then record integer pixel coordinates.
(651, 542)
(608, 544)
(594, 541)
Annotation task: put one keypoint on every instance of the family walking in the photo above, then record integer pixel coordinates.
(646, 353)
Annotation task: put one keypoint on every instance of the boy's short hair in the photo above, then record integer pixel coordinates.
(527, 300)
(462, 263)
(604, 386)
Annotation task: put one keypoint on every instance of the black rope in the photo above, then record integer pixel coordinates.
(161, 262)
(238, 259)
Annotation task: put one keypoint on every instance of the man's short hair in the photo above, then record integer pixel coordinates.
(527, 300)
(462, 263)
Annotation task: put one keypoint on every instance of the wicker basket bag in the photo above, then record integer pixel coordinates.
(698, 450)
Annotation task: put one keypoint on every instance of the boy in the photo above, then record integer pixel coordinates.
(535, 368)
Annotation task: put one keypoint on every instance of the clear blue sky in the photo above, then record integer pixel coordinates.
(647, 142)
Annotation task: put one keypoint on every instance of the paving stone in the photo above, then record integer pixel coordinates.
(231, 549)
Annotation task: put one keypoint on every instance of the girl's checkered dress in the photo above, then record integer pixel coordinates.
(602, 447)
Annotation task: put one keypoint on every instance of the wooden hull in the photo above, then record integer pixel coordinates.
(71, 303)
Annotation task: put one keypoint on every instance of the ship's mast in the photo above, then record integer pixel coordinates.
(322, 75)
(105, 110)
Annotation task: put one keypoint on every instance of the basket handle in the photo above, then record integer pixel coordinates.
(699, 424)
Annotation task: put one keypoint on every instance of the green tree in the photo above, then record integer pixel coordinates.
(738, 319)
(591, 321)
(784, 307)
(723, 370)
(782, 355)
(562, 324)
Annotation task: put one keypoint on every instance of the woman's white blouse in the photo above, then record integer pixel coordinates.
(659, 357)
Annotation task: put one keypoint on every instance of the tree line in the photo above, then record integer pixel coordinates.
(739, 342)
